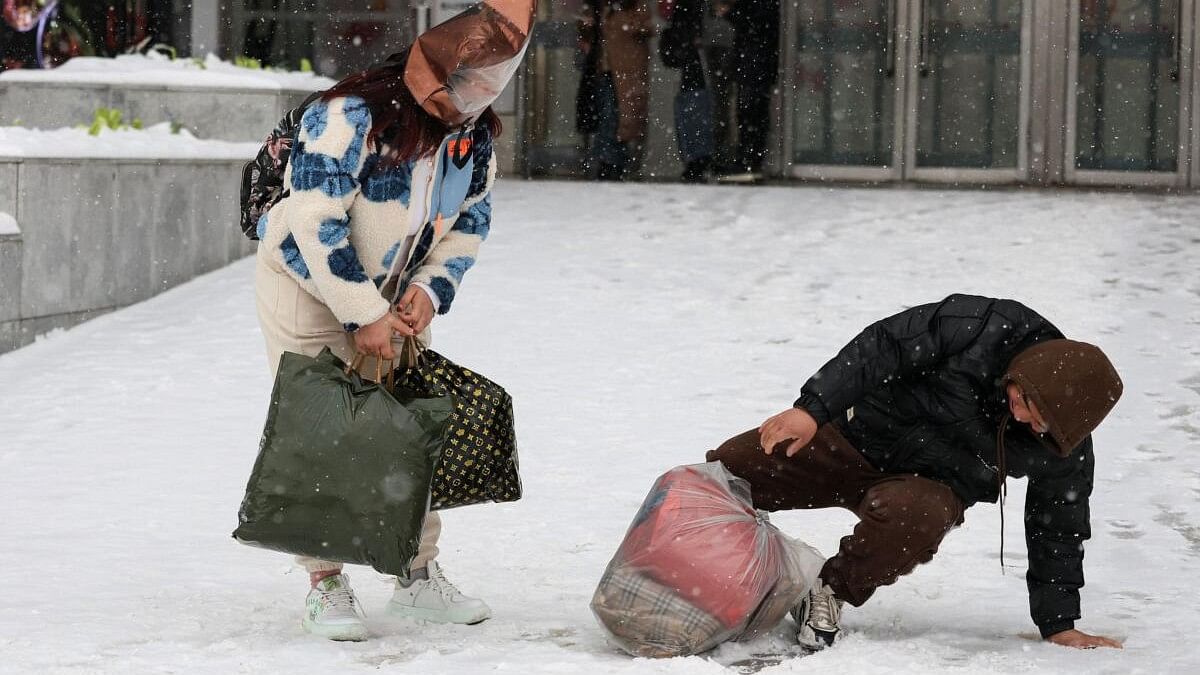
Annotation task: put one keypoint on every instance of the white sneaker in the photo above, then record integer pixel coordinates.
(434, 598)
(333, 612)
(745, 177)
(819, 616)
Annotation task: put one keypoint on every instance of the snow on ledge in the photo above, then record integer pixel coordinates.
(8, 225)
(156, 70)
(155, 142)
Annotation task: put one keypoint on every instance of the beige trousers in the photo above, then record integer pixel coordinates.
(293, 320)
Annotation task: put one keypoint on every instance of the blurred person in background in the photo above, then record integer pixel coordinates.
(17, 34)
(717, 47)
(680, 47)
(755, 69)
(615, 39)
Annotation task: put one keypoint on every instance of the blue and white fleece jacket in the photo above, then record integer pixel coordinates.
(338, 230)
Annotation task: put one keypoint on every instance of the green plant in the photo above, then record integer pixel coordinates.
(110, 118)
(104, 117)
(247, 62)
(199, 63)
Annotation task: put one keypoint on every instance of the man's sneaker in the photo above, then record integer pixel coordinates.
(333, 612)
(819, 616)
(428, 595)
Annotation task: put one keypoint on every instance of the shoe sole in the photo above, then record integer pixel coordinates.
(809, 638)
(740, 179)
(433, 616)
(337, 633)
(818, 640)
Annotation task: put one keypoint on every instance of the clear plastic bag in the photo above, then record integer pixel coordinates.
(699, 566)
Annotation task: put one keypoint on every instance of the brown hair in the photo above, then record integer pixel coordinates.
(396, 119)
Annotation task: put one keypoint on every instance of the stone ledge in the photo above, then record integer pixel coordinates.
(212, 98)
(11, 249)
(218, 112)
(138, 227)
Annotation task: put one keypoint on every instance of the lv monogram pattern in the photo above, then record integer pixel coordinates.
(479, 456)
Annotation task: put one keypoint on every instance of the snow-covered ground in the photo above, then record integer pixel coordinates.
(636, 327)
(8, 224)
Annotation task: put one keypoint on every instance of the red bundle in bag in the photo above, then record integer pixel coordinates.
(699, 566)
(691, 537)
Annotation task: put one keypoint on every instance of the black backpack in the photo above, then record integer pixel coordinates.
(262, 177)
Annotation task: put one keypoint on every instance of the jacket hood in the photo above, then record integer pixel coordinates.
(458, 68)
(1073, 385)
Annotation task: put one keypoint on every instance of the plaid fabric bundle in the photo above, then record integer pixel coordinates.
(479, 457)
(648, 619)
(700, 566)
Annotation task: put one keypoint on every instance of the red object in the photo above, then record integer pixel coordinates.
(695, 537)
(459, 147)
(666, 8)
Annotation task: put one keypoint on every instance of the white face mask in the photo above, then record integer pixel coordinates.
(472, 90)
(458, 68)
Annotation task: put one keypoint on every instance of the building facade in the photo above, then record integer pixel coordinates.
(1040, 92)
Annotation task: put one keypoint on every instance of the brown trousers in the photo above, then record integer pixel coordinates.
(903, 517)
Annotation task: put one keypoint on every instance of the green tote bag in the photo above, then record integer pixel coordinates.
(344, 467)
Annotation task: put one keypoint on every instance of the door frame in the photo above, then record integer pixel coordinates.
(1016, 174)
(906, 30)
(536, 159)
(1190, 69)
(897, 9)
(1189, 136)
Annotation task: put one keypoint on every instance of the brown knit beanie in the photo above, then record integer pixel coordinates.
(1073, 385)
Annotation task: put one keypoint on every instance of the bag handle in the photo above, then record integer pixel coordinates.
(410, 353)
(357, 361)
(391, 377)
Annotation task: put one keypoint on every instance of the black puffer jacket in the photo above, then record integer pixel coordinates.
(922, 392)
